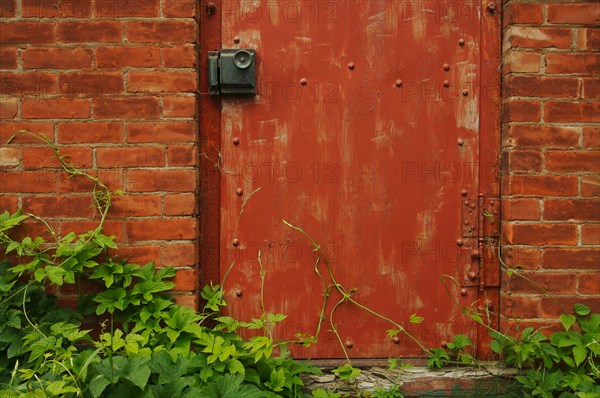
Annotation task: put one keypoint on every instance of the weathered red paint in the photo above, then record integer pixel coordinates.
(371, 118)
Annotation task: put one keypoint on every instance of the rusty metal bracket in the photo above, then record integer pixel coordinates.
(470, 219)
(481, 224)
(480, 217)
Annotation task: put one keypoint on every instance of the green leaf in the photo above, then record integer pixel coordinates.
(60, 388)
(276, 380)
(346, 372)
(98, 384)
(579, 354)
(39, 347)
(568, 321)
(137, 371)
(437, 358)
(236, 367)
(276, 318)
(391, 333)
(110, 300)
(459, 342)
(414, 319)
(228, 386)
(581, 309)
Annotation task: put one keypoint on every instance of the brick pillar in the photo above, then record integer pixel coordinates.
(551, 158)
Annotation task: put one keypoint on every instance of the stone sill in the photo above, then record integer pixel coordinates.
(487, 380)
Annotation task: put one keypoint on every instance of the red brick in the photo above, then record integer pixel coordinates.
(180, 255)
(591, 136)
(162, 32)
(89, 32)
(179, 155)
(161, 229)
(180, 205)
(90, 132)
(57, 58)
(161, 180)
(187, 300)
(113, 179)
(521, 62)
(131, 107)
(119, 9)
(136, 205)
(179, 8)
(588, 39)
(121, 57)
(554, 306)
(140, 254)
(589, 283)
(179, 57)
(185, 280)
(573, 160)
(572, 112)
(66, 302)
(540, 135)
(8, 9)
(541, 86)
(520, 306)
(9, 128)
(522, 13)
(591, 88)
(130, 157)
(523, 111)
(10, 157)
(36, 157)
(522, 160)
(28, 83)
(161, 82)
(572, 209)
(588, 13)
(59, 206)
(56, 8)
(27, 32)
(8, 58)
(179, 106)
(521, 209)
(577, 63)
(524, 257)
(9, 107)
(170, 132)
(557, 258)
(590, 234)
(590, 185)
(543, 185)
(8, 203)
(55, 108)
(536, 37)
(538, 282)
(541, 234)
(91, 84)
(32, 227)
(110, 227)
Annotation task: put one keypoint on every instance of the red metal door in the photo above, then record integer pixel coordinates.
(374, 130)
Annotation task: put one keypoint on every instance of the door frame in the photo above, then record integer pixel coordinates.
(209, 111)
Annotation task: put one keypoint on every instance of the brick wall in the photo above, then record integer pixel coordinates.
(113, 83)
(551, 158)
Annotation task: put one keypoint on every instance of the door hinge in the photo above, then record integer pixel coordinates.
(480, 229)
(232, 71)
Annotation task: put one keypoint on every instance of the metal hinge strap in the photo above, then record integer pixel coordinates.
(480, 201)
